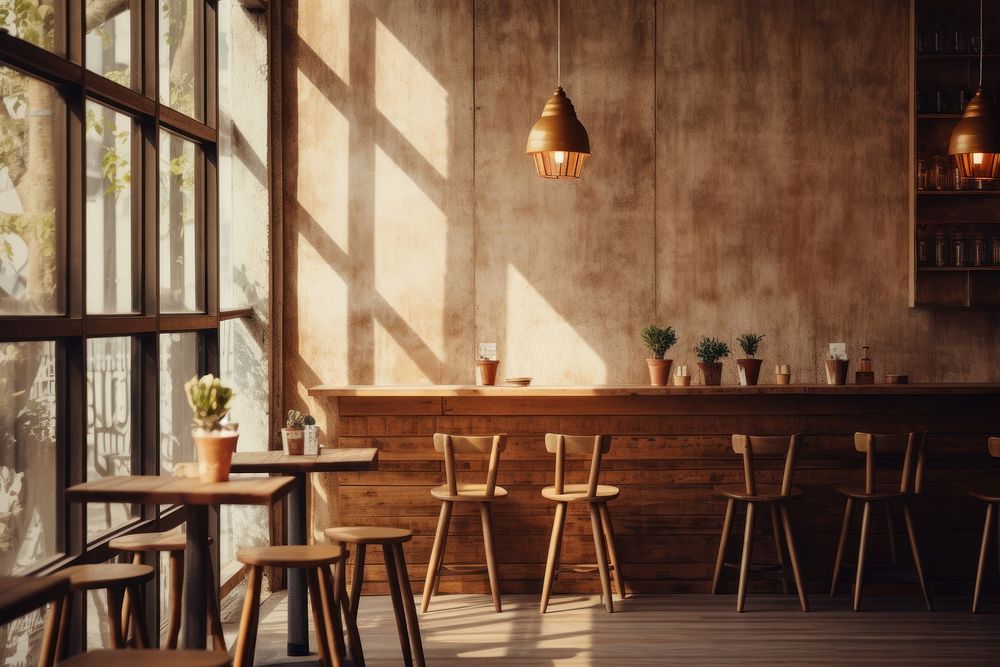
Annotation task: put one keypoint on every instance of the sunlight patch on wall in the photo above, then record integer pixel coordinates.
(321, 310)
(325, 27)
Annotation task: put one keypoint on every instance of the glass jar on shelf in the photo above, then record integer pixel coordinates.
(923, 257)
(995, 250)
(939, 173)
(959, 252)
(923, 175)
(940, 248)
(977, 255)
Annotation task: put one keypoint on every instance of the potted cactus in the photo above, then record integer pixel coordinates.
(710, 351)
(293, 433)
(749, 367)
(658, 341)
(215, 441)
(311, 444)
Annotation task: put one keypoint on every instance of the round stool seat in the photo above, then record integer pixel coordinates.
(149, 542)
(857, 492)
(468, 493)
(148, 658)
(766, 493)
(291, 555)
(578, 493)
(986, 495)
(368, 534)
(88, 577)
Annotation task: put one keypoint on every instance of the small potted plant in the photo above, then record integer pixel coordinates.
(709, 351)
(658, 341)
(293, 433)
(750, 365)
(215, 441)
(311, 444)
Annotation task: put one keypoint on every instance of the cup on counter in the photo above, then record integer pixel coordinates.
(836, 371)
(683, 377)
(782, 374)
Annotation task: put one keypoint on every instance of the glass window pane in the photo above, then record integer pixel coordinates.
(178, 364)
(109, 211)
(31, 169)
(181, 45)
(109, 39)
(109, 425)
(35, 21)
(180, 247)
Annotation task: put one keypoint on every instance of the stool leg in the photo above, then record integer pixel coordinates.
(412, 624)
(175, 583)
(247, 639)
(793, 556)
(778, 548)
(138, 616)
(340, 595)
(862, 549)
(727, 524)
(115, 604)
(841, 543)
(64, 627)
(983, 548)
(319, 620)
(358, 579)
(331, 614)
(555, 544)
(444, 552)
(916, 555)
(397, 604)
(50, 641)
(890, 529)
(602, 556)
(127, 603)
(437, 555)
(486, 514)
(741, 593)
(609, 538)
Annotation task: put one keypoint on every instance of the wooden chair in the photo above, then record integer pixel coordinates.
(992, 499)
(391, 540)
(775, 498)
(597, 497)
(911, 447)
(148, 658)
(453, 492)
(173, 544)
(326, 593)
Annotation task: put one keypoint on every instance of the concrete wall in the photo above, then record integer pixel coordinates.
(749, 173)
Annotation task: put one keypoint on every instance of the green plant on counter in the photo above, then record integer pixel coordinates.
(294, 420)
(210, 400)
(658, 340)
(710, 350)
(750, 342)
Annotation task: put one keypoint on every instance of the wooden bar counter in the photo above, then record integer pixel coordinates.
(670, 446)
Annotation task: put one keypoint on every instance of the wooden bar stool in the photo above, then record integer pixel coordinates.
(597, 497)
(992, 499)
(391, 540)
(911, 447)
(326, 594)
(148, 658)
(775, 498)
(461, 492)
(173, 543)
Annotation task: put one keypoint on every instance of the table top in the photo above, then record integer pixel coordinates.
(20, 595)
(164, 490)
(349, 459)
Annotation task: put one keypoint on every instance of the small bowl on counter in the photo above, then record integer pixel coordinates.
(517, 382)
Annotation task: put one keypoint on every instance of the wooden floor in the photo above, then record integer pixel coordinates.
(668, 629)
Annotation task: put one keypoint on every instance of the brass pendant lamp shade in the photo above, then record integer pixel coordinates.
(975, 141)
(558, 142)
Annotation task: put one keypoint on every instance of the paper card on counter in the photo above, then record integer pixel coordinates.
(838, 351)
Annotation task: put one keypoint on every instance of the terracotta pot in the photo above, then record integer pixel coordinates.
(487, 371)
(749, 370)
(836, 371)
(215, 454)
(293, 441)
(659, 371)
(711, 374)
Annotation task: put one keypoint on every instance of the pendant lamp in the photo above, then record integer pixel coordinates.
(975, 141)
(558, 142)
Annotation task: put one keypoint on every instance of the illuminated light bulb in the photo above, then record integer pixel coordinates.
(977, 158)
(560, 157)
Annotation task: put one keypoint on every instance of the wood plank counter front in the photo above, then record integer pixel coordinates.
(670, 446)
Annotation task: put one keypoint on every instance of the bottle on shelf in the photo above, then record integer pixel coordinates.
(923, 257)
(954, 174)
(923, 175)
(940, 248)
(957, 39)
(978, 253)
(939, 173)
(958, 251)
(937, 39)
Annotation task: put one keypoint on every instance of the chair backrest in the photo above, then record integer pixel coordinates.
(594, 446)
(909, 445)
(450, 445)
(994, 446)
(767, 445)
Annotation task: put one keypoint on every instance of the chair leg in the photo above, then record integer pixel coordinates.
(793, 556)
(64, 626)
(609, 538)
(50, 641)
(602, 556)
(552, 562)
(983, 548)
(350, 623)
(319, 623)
(486, 514)
(358, 579)
(115, 604)
(412, 623)
(127, 604)
(247, 639)
(138, 614)
(397, 604)
(890, 525)
(175, 583)
(437, 555)
(862, 549)
(331, 615)
(727, 525)
(838, 560)
(741, 593)
(912, 534)
(779, 550)
(444, 552)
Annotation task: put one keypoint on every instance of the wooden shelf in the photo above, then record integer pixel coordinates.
(953, 57)
(959, 193)
(958, 268)
(939, 116)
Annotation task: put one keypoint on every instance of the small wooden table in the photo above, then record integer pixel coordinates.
(329, 460)
(196, 496)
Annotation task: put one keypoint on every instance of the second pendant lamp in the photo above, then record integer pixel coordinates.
(558, 142)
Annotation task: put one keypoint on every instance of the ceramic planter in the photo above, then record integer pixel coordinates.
(293, 441)
(711, 374)
(836, 371)
(659, 371)
(215, 454)
(749, 370)
(487, 371)
(310, 440)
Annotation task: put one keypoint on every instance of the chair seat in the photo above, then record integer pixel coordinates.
(148, 658)
(578, 493)
(987, 495)
(766, 493)
(291, 555)
(172, 541)
(368, 534)
(102, 575)
(857, 492)
(468, 493)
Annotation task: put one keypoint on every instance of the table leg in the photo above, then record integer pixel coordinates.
(298, 628)
(196, 585)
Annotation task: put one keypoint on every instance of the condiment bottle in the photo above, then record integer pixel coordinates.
(940, 248)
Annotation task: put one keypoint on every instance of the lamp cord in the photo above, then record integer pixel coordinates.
(981, 47)
(559, 44)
